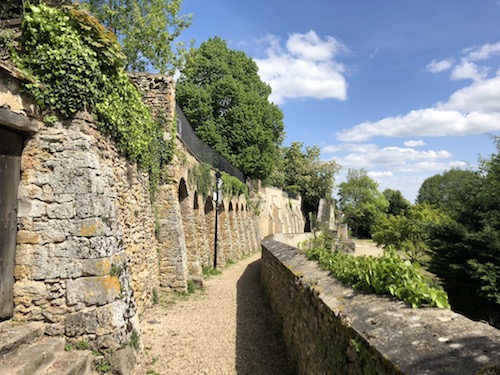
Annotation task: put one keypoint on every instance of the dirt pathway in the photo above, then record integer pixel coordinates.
(225, 329)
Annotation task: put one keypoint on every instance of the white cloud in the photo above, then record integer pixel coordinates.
(418, 143)
(380, 174)
(484, 52)
(370, 156)
(472, 110)
(468, 70)
(306, 68)
(439, 66)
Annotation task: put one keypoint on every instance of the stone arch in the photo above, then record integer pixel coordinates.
(182, 191)
(196, 204)
(188, 223)
(209, 229)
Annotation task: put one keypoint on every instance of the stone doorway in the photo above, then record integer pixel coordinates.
(10, 163)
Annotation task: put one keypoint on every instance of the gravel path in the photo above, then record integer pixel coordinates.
(225, 329)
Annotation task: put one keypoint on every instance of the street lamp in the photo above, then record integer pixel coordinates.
(217, 198)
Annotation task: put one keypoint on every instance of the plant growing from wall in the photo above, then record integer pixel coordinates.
(201, 177)
(388, 274)
(232, 187)
(78, 65)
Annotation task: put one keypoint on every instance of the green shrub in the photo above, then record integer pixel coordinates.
(388, 274)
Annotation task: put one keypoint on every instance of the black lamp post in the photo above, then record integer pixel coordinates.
(218, 184)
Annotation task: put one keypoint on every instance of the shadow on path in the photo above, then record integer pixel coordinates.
(260, 349)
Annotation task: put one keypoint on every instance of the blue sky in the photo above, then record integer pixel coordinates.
(404, 89)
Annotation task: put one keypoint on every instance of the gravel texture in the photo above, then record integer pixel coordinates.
(225, 329)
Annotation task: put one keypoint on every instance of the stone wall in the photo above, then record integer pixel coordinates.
(93, 246)
(331, 329)
(278, 213)
(86, 255)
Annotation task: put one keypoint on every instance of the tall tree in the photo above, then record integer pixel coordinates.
(305, 173)
(361, 202)
(226, 102)
(467, 249)
(397, 202)
(452, 191)
(147, 30)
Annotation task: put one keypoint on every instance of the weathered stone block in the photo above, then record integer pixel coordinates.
(96, 267)
(81, 323)
(98, 290)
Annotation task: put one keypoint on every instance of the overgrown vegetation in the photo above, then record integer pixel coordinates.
(232, 187)
(201, 177)
(389, 274)
(78, 65)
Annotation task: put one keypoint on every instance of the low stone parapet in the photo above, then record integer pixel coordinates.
(331, 329)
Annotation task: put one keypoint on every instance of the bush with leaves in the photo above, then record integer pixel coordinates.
(388, 274)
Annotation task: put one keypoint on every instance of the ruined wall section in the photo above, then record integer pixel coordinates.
(86, 255)
(278, 213)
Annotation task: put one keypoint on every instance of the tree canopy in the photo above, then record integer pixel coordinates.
(452, 191)
(361, 202)
(147, 30)
(224, 99)
(305, 173)
(467, 249)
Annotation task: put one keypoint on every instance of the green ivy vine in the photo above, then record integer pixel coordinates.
(78, 65)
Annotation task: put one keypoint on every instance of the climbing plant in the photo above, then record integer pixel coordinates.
(78, 65)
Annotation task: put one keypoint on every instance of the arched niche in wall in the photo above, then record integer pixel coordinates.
(183, 191)
(196, 205)
(209, 206)
(230, 208)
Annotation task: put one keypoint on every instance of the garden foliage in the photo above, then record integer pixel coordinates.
(388, 274)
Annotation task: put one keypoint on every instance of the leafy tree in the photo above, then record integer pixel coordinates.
(467, 249)
(226, 102)
(451, 192)
(305, 173)
(361, 202)
(409, 231)
(397, 202)
(147, 30)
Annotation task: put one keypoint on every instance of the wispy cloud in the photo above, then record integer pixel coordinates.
(418, 143)
(304, 68)
(439, 66)
(484, 52)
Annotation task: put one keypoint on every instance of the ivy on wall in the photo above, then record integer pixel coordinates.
(78, 65)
